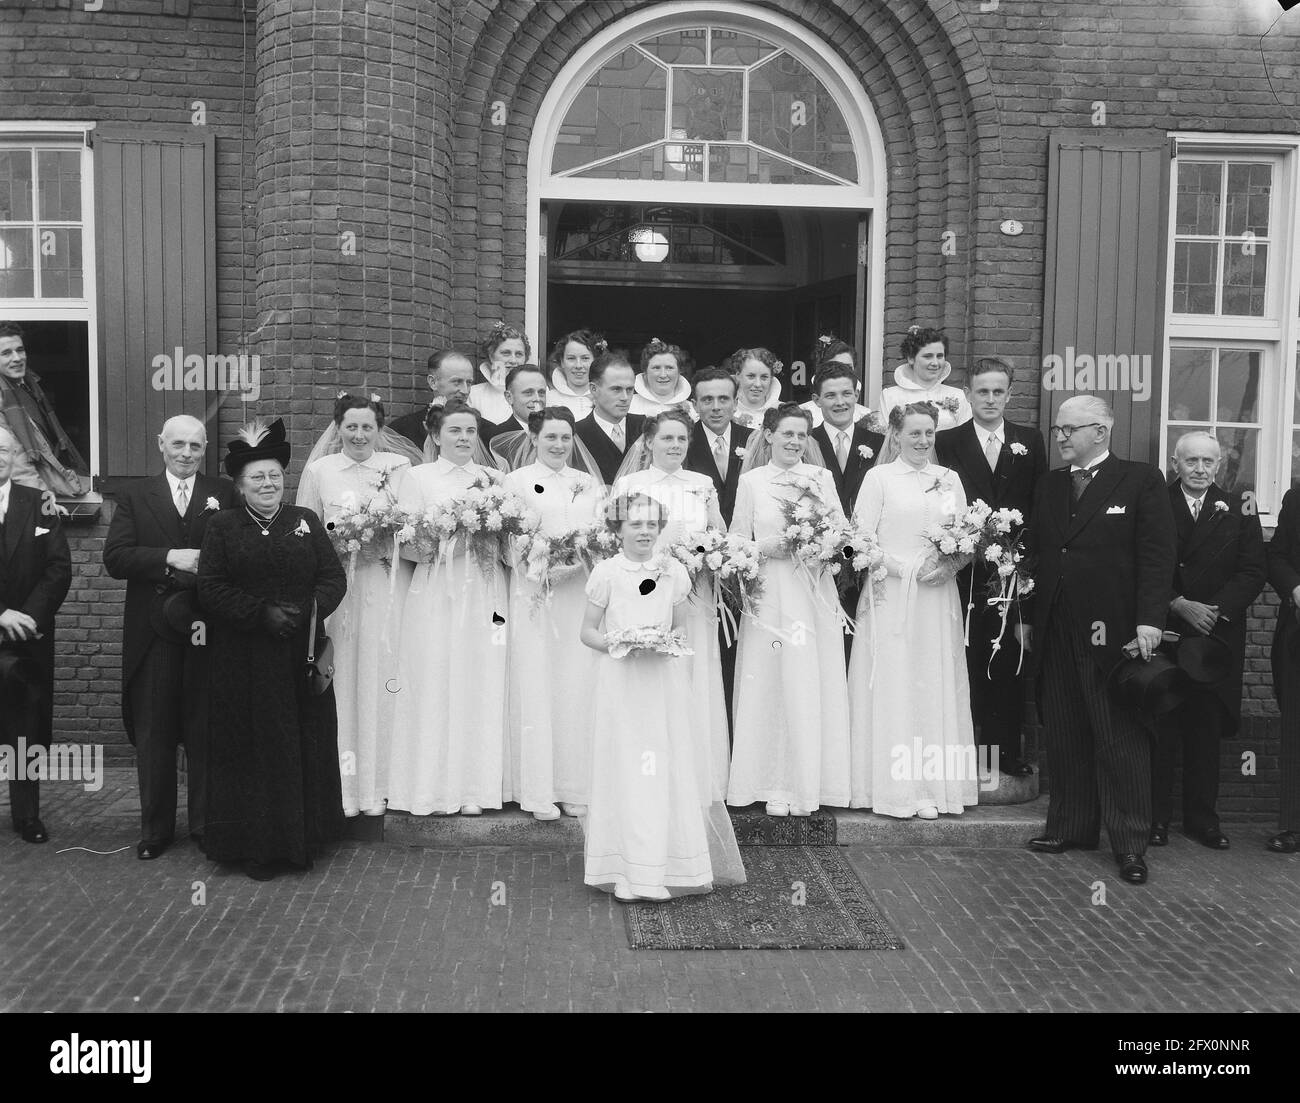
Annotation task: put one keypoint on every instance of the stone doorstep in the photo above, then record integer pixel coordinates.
(986, 827)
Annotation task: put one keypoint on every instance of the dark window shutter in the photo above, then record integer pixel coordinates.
(155, 232)
(1104, 286)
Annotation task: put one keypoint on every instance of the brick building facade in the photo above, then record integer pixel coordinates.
(353, 184)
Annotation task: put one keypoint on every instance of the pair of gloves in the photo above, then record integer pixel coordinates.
(281, 619)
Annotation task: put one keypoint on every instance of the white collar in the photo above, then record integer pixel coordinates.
(541, 471)
(654, 475)
(654, 563)
(773, 399)
(371, 461)
(4, 494)
(175, 482)
(608, 425)
(680, 395)
(832, 431)
(560, 382)
(713, 438)
(1096, 462)
(983, 434)
(1193, 497)
(444, 466)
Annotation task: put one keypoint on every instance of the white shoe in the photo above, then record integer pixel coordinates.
(799, 812)
(470, 810)
(573, 809)
(545, 815)
(777, 808)
(930, 813)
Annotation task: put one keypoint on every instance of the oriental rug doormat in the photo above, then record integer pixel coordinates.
(796, 898)
(754, 827)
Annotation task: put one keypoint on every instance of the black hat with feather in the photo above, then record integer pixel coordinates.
(257, 441)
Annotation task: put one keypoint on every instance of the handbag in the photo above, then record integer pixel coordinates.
(320, 657)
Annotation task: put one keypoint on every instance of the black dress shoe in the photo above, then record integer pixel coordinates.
(1213, 838)
(147, 852)
(1159, 834)
(1046, 844)
(1285, 843)
(1012, 766)
(1132, 868)
(32, 831)
(260, 871)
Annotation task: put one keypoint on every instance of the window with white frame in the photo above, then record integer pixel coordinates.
(47, 287)
(1233, 327)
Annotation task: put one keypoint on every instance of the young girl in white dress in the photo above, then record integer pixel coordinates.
(660, 385)
(505, 347)
(551, 675)
(365, 628)
(921, 379)
(449, 724)
(654, 467)
(791, 706)
(653, 829)
(913, 744)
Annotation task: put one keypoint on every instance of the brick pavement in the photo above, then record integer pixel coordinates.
(378, 927)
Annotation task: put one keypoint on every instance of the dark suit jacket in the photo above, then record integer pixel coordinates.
(1012, 483)
(35, 573)
(699, 458)
(145, 527)
(604, 450)
(849, 481)
(510, 425)
(1283, 559)
(1220, 562)
(1114, 559)
(411, 426)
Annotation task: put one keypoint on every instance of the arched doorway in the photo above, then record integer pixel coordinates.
(704, 174)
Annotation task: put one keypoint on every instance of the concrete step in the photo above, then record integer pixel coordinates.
(986, 826)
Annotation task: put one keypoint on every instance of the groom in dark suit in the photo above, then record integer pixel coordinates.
(1102, 540)
(717, 443)
(1000, 463)
(609, 430)
(153, 542)
(35, 573)
(1220, 572)
(850, 450)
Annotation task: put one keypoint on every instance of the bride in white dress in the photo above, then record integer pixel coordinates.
(913, 744)
(366, 626)
(551, 674)
(654, 466)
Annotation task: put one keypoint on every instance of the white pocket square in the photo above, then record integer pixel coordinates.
(1117, 509)
(41, 532)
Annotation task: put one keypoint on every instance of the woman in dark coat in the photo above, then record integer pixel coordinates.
(1284, 576)
(273, 777)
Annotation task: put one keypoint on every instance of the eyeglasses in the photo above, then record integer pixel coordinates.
(269, 477)
(1065, 432)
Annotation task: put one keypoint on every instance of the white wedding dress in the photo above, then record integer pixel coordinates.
(912, 741)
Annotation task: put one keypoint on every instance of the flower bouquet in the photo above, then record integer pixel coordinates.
(732, 565)
(1002, 548)
(662, 641)
(548, 559)
(366, 529)
(484, 516)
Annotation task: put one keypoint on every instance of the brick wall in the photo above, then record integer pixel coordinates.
(338, 116)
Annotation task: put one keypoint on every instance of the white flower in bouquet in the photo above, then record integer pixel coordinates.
(993, 553)
(966, 545)
(948, 546)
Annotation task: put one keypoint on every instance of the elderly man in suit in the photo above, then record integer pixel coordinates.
(1102, 538)
(153, 543)
(450, 375)
(609, 430)
(1219, 573)
(717, 443)
(999, 462)
(35, 573)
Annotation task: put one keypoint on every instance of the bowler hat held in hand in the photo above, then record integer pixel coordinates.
(1156, 685)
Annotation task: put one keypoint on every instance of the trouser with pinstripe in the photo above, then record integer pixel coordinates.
(1098, 750)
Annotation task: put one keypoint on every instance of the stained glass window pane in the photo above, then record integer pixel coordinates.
(59, 172)
(746, 165)
(15, 185)
(735, 48)
(1195, 271)
(791, 112)
(1245, 278)
(620, 108)
(1191, 373)
(1250, 187)
(1199, 188)
(708, 104)
(679, 47)
(17, 279)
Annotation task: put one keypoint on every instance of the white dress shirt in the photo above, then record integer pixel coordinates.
(176, 485)
(4, 498)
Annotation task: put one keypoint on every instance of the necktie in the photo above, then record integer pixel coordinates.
(182, 499)
(1196, 509)
(616, 435)
(992, 450)
(1080, 479)
(842, 449)
(720, 456)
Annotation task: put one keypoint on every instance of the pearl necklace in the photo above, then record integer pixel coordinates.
(266, 528)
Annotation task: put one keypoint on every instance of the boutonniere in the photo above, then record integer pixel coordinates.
(740, 452)
(865, 452)
(41, 532)
(303, 528)
(1018, 449)
(1220, 504)
(580, 487)
(951, 404)
(939, 483)
(211, 505)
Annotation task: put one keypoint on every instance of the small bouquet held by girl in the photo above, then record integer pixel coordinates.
(550, 559)
(484, 516)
